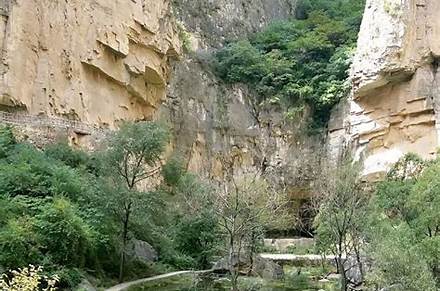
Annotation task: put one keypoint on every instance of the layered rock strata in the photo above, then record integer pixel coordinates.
(97, 61)
(394, 108)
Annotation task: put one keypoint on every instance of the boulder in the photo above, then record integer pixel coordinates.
(354, 273)
(334, 277)
(85, 285)
(267, 269)
(141, 251)
(262, 267)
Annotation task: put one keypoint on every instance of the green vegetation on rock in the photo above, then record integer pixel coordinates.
(301, 64)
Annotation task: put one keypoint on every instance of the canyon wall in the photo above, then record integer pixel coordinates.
(394, 108)
(69, 67)
(213, 121)
(96, 61)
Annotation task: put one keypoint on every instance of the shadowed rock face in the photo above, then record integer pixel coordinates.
(214, 22)
(212, 120)
(97, 61)
(394, 107)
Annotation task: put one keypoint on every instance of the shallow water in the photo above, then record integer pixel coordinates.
(307, 280)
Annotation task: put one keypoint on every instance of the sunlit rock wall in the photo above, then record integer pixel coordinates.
(97, 61)
(394, 108)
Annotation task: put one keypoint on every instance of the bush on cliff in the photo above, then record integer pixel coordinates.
(298, 62)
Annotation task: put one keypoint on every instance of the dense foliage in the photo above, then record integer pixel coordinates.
(42, 222)
(405, 226)
(393, 232)
(299, 64)
(64, 209)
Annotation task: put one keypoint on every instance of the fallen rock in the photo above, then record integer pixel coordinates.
(334, 277)
(141, 251)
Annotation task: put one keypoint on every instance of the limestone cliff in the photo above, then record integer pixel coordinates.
(77, 65)
(394, 107)
(213, 120)
(97, 61)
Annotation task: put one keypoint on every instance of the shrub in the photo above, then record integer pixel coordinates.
(19, 244)
(28, 279)
(298, 62)
(198, 237)
(7, 140)
(68, 239)
(63, 152)
(173, 171)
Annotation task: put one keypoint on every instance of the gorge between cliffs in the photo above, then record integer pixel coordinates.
(219, 145)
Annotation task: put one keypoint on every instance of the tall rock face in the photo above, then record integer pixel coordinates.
(213, 23)
(213, 121)
(96, 61)
(394, 108)
(85, 64)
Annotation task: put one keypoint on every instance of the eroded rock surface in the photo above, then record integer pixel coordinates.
(213, 121)
(212, 23)
(394, 107)
(97, 61)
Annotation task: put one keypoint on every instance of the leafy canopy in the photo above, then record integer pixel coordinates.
(404, 228)
(298, 62)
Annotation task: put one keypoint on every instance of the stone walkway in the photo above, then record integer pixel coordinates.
(43, 120)
(313, 260)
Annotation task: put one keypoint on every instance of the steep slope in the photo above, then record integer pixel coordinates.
(394, 106)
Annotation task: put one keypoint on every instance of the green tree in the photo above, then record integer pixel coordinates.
(132, 157)
(197, 234)
(404, 228)
(340, 219)
(244, 206)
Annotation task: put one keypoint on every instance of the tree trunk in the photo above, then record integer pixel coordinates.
(124, 244)
(232, 270)
(341, 271)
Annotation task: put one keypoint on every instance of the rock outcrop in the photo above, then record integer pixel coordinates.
(212, 23)
(394, 108)
(259, 266)
(141, 251)
(97, 61)
(214, 121)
